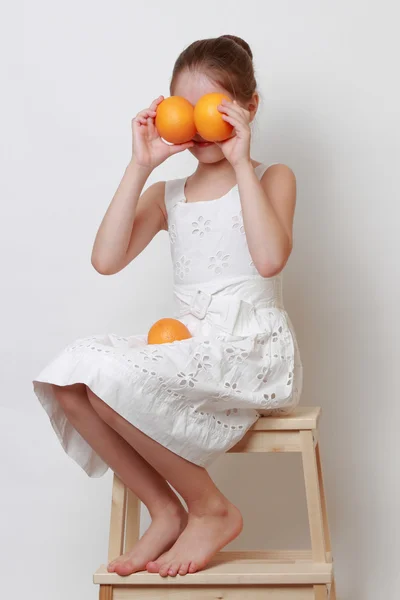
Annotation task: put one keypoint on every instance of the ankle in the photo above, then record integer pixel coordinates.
(171, 509)
(215, 505)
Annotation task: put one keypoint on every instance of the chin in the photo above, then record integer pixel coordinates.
(208, 154)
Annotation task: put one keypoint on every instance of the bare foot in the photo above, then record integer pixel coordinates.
(163, 531)
(206, 533)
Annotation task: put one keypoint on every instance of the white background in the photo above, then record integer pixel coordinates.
(76, 74)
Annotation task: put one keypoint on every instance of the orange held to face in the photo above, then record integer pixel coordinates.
(208, 119)
(174, 120)
(166, 331)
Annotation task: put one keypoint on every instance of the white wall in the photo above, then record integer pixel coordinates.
(77, 73)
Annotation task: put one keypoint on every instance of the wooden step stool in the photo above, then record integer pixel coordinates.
(253, 575)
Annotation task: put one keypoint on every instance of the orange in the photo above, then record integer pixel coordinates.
(174, 120)
(167, 330)
(208, 120)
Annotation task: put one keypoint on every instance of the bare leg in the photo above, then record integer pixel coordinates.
(213, 521)
(169, 517)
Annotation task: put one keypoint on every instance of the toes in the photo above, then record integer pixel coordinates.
(163, 571)
(152, 566)
(111, 567)
(183, 569)
(192, 567)
(123, 568)
(173, 569)
(126, 568)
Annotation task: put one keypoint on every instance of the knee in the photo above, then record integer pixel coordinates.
(102, 409)
(71, 397)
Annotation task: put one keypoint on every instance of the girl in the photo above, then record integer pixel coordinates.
(160, 414)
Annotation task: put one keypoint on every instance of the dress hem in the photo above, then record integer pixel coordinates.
(81, 371)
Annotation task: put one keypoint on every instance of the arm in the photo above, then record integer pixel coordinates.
(268, 211)
(130, 223)
(267, 205)
(132, 219)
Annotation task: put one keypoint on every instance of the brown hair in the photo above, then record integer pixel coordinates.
(229, 61)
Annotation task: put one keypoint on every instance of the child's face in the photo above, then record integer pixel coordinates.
(192, 86)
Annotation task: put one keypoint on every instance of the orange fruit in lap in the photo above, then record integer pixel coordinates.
(174, 120)
(167, 330)
(208, 120)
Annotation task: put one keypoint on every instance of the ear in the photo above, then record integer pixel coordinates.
(252, 105)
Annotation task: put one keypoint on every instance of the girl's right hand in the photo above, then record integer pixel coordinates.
(148, 148)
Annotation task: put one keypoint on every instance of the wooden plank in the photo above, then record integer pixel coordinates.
(117, 520)
(282, 556)
(271, 556)
(132, 529)
(314, 506)
(214, 593)
(243, 556)
(268, 441)
(303, 417)
(323, 500)
(300, 573)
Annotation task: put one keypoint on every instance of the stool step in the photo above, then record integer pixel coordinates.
(302, 417)
(274, 567)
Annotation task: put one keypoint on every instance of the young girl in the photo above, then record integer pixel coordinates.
(160, 414)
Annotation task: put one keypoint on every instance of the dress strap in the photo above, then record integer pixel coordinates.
(260, 169)
(173, 192)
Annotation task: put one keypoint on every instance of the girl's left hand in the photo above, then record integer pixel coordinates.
(237, 148)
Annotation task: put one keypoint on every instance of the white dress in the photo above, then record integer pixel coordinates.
(199, 396)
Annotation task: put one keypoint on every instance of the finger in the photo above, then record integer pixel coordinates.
(223, 143)
(236, 106)
(146, 113)
(233, 109)
(156, 102)
(151, 127)
(240, 128)
(231, 112)
(175, 148)
(231, 103)
(237, 122)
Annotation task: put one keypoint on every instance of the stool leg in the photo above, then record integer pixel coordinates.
(132, 521)
(117, 520)
(332, 595)
(320, 592)
(323, 500)
(314, 505)
(106, 592)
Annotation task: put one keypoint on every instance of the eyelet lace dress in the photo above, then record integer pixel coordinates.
(199, 396)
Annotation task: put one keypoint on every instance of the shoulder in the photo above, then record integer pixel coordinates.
(155, 190)
(279, 181)
(278, 171)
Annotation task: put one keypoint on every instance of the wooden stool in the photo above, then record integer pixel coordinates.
(254, 575)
